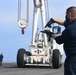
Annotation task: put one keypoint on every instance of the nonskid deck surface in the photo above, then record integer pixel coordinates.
(12, 69)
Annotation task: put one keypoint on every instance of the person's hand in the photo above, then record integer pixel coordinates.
(50, 22)
(47, 32)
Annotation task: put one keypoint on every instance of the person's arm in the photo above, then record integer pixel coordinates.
(60, 22)
(63, 38)
(66, 35)
(51, 21)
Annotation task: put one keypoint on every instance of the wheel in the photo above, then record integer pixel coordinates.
(56, 59)
(20, 58)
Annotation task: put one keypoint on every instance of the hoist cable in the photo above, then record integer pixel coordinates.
(47, 10)
(27, 14)
(19, 9)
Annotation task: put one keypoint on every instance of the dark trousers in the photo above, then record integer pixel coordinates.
(1, 59)
(70, 66)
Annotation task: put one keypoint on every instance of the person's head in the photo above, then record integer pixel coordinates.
(71, 13)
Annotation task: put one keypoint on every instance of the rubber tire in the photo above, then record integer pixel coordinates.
(20, 58)
(56, 59)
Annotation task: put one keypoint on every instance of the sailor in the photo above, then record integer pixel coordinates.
(1, 58)
(68, 38)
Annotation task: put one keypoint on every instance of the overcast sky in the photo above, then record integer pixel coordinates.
(11, 38)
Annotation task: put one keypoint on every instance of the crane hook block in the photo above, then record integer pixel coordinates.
(22, 23)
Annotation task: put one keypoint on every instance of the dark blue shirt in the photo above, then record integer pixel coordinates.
(68, 37)
(66, 23)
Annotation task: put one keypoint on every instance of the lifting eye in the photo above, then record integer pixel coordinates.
(35, 51)
(38, 51)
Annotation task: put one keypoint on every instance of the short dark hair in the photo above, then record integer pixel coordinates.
(72, 9)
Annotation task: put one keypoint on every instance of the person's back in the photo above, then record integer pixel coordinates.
(70, 44)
